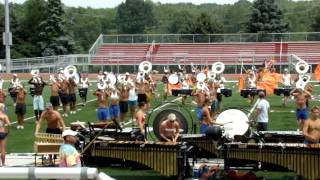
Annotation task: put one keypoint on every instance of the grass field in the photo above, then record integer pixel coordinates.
(20, 141)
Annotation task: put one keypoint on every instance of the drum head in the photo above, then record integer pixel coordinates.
(201, 77)
(238, 122)
(163, 115)
(173, 79)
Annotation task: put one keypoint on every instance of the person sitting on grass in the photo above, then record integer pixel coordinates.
(69, 156)
(4, 123)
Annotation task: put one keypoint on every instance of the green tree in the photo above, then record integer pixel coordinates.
(316, 20)
(54, 38)
(135, 16)
(204, 24)
(182, 23)
(266, 17)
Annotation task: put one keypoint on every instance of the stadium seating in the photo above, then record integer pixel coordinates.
(199, 53)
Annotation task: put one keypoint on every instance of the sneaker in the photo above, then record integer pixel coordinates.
(18, 127)
(21, 127)
(65, 115)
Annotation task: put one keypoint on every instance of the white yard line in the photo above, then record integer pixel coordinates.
(26, 119)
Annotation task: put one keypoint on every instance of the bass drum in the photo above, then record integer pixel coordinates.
(236, 123)
(162, 116)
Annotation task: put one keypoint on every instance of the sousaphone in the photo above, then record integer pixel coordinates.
(145, 67)
(218, 67)
(70, 72)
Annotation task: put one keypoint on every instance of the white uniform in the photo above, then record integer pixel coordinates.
(286, 79)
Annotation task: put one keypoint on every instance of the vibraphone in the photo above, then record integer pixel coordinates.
(47, 144)
(201, 142)
(300, 158)
(166, 158)
(281, 136)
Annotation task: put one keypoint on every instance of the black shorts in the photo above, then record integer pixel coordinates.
(54, 100)
(142, 98)
(54, 131)
(3, 135)
(20, 109)
(83, 92)
(72, 98)
(64, 99)
(123, 106)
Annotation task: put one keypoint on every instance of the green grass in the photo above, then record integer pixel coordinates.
(22, 140)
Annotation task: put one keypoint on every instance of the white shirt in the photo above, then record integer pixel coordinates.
(1, 83)
(264, 107)
(84, 82)
(286, 79)
(132, 95)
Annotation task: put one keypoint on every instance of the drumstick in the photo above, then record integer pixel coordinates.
(90, 143)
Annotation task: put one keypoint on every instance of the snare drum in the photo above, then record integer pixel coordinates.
(12, 92)
(83, 92)
(252, 92)
(226, 92)
(31, 91)
(284, 91)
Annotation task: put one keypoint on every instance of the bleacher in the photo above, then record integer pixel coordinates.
(120, 53)
(202, 53)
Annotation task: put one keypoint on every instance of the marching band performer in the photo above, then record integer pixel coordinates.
(123, 103)
(213, 98)
(103, 113)
(54, 98)
(1, 82)
(251, 84)
(83, 90)
(205, 117)
(169, 129)
(72, 96)
(132, 100)
(219, 82)
(141, 117)
(38, 102)
(286, 79)
(114, 106)
(301, 99)
(13, 88)
(64, 90)
(311, 127)
(21, 107)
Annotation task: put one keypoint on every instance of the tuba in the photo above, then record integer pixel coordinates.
(302, 68)
(218, 67)
(145, 68)
(70, 72)
(35, 75)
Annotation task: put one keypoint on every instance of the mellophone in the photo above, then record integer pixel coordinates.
(252, 92)
(284, 91)
(162, 157)
(300, 158)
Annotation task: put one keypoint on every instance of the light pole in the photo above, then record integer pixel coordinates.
(7, 37)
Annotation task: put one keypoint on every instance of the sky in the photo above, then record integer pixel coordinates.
(114, 3)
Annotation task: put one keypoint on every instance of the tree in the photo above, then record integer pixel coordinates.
(54, 38)
(182, 23)
(204, 24)
(135, 16)
(33, 14)
(266, 17)
(316, 22)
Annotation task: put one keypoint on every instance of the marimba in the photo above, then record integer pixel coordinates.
(202, 143)
(300, 158)
(166, 158)
(252, 92)
(284, 91)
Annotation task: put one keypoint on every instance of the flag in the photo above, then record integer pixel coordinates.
(317, 72)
